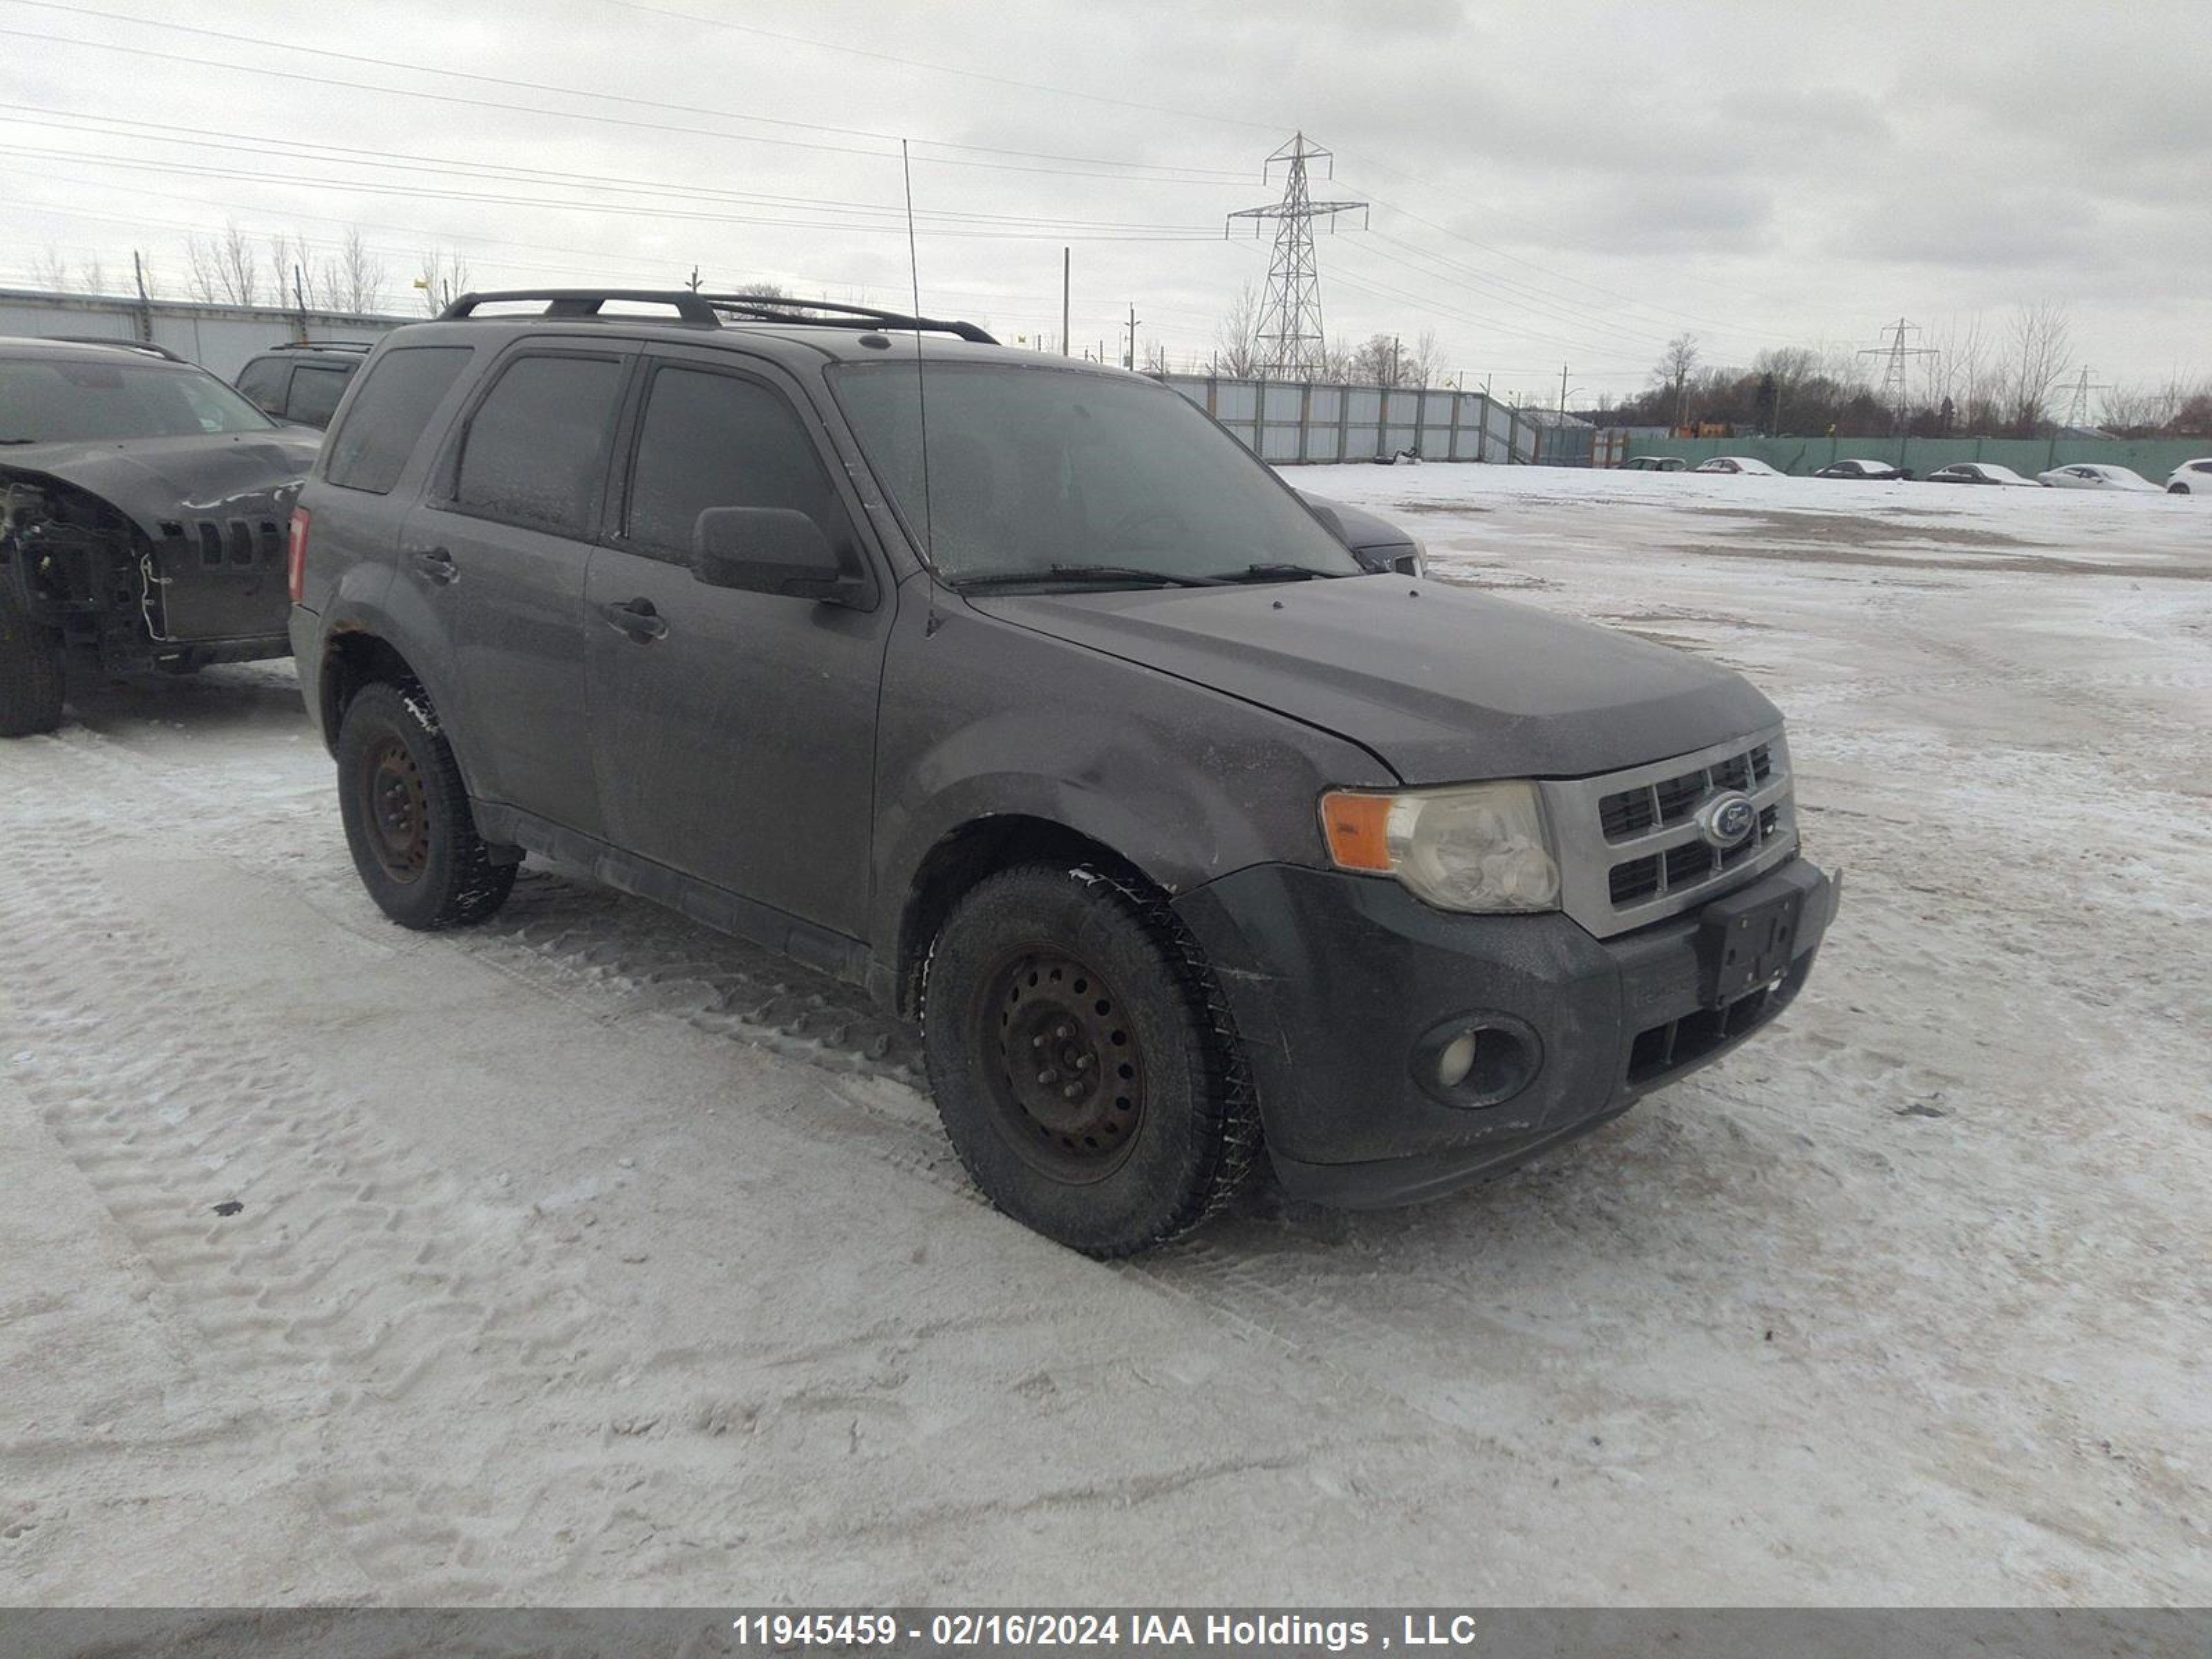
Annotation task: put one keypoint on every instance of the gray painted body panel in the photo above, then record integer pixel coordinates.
(154, 482)
(1446, 685)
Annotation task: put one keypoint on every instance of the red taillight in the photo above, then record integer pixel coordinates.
(298, 554)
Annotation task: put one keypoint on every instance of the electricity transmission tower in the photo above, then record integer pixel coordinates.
(2078, 413)
(1896, 354)
(1289, 335)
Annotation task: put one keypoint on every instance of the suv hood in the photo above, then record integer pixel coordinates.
(154, 481)
(1442, 684)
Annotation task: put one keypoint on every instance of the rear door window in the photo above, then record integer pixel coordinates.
(536, 451)
(369, 450)
(315, 392)
(713, 440)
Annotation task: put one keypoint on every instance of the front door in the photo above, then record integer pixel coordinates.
(733, 733)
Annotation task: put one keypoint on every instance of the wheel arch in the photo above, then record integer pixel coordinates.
(968, 854)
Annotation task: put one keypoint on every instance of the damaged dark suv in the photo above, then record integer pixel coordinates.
(143, 506)
(1018, 691)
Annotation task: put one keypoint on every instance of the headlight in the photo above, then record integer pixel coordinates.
(1478, 847)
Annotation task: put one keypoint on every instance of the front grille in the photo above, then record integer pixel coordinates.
(1629, 812)
(1631, 850)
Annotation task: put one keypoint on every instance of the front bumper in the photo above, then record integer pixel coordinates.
(1343, 985)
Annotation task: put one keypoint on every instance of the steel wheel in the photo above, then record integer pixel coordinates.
(397, 809)
(1068, 1079)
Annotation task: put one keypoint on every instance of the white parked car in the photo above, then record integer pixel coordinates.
(2191, 478)
(2094, 474)
(1979, 472)
(1861, 469)
(1745, 465)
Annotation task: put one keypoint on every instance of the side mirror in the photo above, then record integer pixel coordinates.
(770, 550)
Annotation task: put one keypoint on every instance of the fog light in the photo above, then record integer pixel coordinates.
(1457, 1060)
(1476, 1059)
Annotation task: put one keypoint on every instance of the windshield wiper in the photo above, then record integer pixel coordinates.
(1101, 575)
(18, 440)
(1282, 573)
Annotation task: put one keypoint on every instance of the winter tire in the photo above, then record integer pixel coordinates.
(407, 818)
(1083, 1063)
(30, 669)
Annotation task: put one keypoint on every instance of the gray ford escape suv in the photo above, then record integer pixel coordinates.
(1016, 690)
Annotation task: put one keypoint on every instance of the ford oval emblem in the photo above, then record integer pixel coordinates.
(1727, 820)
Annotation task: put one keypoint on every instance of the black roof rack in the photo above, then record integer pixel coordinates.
(692, 307)
(145, 346)
(324, 345)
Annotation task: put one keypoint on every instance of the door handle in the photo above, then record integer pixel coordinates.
(638, 619)
(437, 564)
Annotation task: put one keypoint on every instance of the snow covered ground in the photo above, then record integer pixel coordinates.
(592, 1258)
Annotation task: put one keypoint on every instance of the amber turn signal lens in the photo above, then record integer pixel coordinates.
(1357, 828)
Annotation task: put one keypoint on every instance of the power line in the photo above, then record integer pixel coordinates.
(259, 71)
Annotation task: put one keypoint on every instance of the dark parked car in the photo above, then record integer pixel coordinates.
(1055, 718)
(1374, 541)
(1980, 472)
(302, 383)
(1861, 469)
(142, 513)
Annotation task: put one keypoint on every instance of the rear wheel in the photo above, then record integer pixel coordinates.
(407, 818)
(30, 669)
(1082, 1063)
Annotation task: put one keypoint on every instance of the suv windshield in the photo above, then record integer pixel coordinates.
(66, 398)
(1076, 477)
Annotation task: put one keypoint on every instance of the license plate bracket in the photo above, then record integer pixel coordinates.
(1747, 939)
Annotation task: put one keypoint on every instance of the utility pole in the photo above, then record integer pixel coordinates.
(1130, 362)
(299, 297)
(1067, 269)
(694, 284)
(1289, 334)
(1563, 391)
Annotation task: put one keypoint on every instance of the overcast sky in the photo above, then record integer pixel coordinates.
(1550, 183)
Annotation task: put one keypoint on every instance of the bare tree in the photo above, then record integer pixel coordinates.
(200, 260)
(1238, 337)
(237, 268)
(50, 269)
(1421, 360)
(1673, 371)
(92, 278)
(353, 280)
(2041, 342)
(2130, 410)
(443, 275)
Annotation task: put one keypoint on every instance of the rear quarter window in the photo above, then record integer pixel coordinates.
(316, 390)
(369, 450)
(263, 380)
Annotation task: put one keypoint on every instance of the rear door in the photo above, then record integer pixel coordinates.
(733, 733)
(502, 545)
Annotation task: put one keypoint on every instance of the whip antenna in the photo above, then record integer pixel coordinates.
(920, 394)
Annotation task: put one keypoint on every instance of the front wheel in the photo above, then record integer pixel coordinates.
(1082, 1062)
(407, 818)
(2177, 489)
